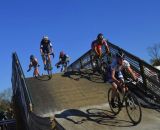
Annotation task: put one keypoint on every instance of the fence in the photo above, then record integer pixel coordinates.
(20, 91)
(147, 74)
(23, 101)
(8, 124)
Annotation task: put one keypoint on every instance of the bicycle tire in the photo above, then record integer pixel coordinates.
(49, 70)
(133, 104)
(117, 101)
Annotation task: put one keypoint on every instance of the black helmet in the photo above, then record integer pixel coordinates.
(61, 53)
(31, 57)
(120, 54)
(100, 36)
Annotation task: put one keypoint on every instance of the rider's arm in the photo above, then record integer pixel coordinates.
(129, 69)
(96, 50)
(106, 47)
(51, 48)
(30, 66)
(132, 73)
(36, 60)
(41, 51)
(41, 47)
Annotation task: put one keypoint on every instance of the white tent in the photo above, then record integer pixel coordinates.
(158, 67)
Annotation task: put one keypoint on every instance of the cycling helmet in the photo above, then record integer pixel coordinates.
(61, 53)
(120, 54)
(31, 57)
(100, 36)
(45, 37)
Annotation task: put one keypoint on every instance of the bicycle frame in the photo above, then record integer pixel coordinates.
(131, 103)
(49, 65)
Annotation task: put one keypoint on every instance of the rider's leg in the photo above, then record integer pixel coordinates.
(44, 61)
(49, 57)
(37, 71)
(121, 79)
(58, 64)
(114, 90)
(34, 73)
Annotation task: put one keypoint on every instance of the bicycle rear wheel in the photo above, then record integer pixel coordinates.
(133, 108)
(117, 103)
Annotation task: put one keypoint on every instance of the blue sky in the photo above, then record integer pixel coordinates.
(71, 25)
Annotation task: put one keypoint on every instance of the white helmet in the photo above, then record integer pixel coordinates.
(45, 37)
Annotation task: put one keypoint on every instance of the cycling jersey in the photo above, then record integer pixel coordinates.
(64, 58)
(46, 47)
(98, 44)
(117, 68)
(34, 63)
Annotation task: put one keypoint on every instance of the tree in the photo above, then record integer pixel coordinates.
(5, 99)
(154, 52)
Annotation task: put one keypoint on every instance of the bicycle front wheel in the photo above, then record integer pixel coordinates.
(49, 71)
(115, 107)
(133, 108)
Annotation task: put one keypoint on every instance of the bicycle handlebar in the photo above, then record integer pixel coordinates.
(47, 54)
(129, 80)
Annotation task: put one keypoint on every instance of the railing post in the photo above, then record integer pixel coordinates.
(143, 75)
(91, 59)
(81, 65)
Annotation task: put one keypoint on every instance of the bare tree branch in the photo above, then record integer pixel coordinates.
(154, 53)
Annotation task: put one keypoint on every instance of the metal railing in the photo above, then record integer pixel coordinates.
(23, 100)
(20, 90)
(147, 74)
(8, 124)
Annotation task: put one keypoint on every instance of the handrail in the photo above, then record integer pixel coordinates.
(149, 76)
(9, 121)
(27, 94)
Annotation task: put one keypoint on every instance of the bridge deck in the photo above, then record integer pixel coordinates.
(66, 91)
(79, 102)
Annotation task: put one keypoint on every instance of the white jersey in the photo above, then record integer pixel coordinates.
(117, 68)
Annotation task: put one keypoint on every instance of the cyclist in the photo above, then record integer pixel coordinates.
(115, 73)
(63, 59)
(34, 63)
(46, 48)
(98, 43)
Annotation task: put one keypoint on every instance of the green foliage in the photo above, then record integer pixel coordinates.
(155, 62)
(5, 99)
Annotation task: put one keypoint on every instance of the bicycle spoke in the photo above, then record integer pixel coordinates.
(133, 109)
(117, 107)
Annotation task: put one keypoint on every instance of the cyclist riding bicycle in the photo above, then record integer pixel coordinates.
(35, 65)
(98, 43)
(63, 59)
(46, 48)
(116, 77)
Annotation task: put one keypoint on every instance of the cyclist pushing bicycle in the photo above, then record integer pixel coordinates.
(46, 49)
(115, 74)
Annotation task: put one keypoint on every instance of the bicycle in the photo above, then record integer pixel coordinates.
(48, 65)
(128, 100)
(64, 67)
(36, 71)
(100, 65)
